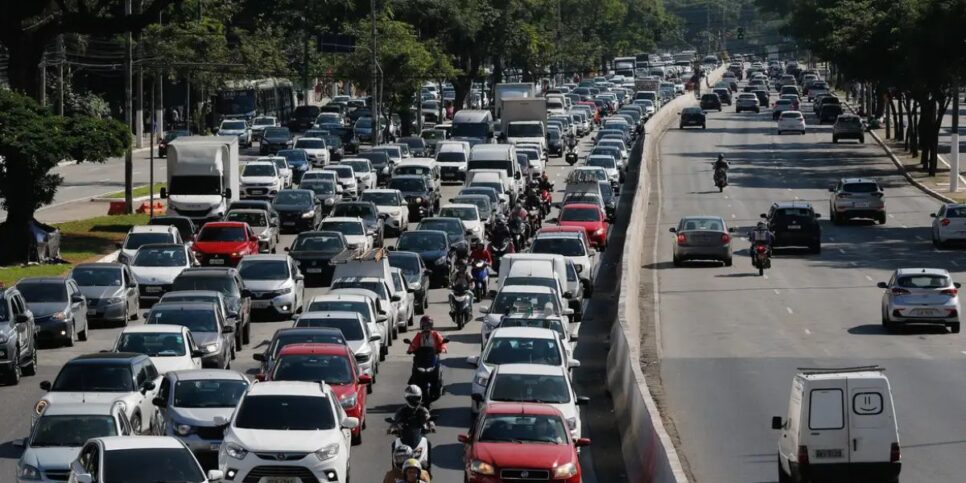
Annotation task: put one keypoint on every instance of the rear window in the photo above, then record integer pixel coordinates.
(826, 409)
(923, 281)
(791, 115)
(785, 213)
(860, 187)
(956, 212)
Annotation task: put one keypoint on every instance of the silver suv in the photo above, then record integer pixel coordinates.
(848, 126)
(857, 198)
(18, 343)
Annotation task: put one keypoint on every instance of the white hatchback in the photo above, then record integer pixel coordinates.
(949, 224)
(170, 347)
(920, 296)
(793, 121)
(536, 383)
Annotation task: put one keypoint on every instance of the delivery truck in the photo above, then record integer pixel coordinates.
(202, 177)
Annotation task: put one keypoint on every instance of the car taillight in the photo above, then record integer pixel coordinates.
(877, 195)
(803, 455)
(761, 248)
(894, 453)
(682, 239)
(899, 291)
(725, 238)
(944, 222)
(949, 291)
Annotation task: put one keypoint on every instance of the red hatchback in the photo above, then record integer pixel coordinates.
(332, 363)
(589, 217)
(521, 441)
(224, 243)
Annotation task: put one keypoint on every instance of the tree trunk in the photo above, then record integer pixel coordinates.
(23, 62)
(896, 108)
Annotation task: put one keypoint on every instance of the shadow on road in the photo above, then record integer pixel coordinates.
(878, 329)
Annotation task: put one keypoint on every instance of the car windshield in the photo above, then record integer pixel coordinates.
(195, 185)
(500, 428)
(361, 308)
(340, 171)
(263, 269)
(956, 212)
(347, 228)
(280, 163)
(860, 188)
(354, 210)
(71, 430)
(382, 198)
(451, 157)
(310, 144)
(408, 184)
(530, 388)
(481, 191)
(522, 302)
(135, 240)
(95, 277)
(319, 187)
(486, 184)
(923, 280)
(209, 393)
(351, 328)
(264, 121)
(285, 413)
(409, 264)
(233, 125)
(450, 227)
(319, 243)
(94, 378)
(528, 130)
(358, 166)
(703, 224)
(297, 155)
(606, 163)
(421, 242)
(277, 132)
(153, 344)
(151, 465)
(578, 176)
(222, 234)
(569, 213)
(160, 257)
(568, 247)
(40, 292)
(463, 213)
(376, 287)
(225, 285)
(412, 169)
(507, 350)
(332, 369)
(260, 169)
(196, 320)
(293, 197)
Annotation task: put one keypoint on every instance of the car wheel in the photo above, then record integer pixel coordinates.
(862, 140)
(954, 327)
(31, 369)
(887, 324)
(357, 438)
(835, 139)
(676, 261)
(728, 262)
(782, 477)
(882, 219)
(136, 424)
(13, 376)
(779, 132)
(247, 333)
(72, 336)
(816, 248)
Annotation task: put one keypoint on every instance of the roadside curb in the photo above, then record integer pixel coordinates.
(110, 257)
(104, 199)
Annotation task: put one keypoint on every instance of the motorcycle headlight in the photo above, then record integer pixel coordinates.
(28, 472)
(349, 401)
(440, 261)
(309, 214)
(182, 429)
(328, 452)
(235, 451)
(482, 468)
(565, 471)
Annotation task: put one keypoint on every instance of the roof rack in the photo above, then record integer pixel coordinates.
(837, 370)
(372, 255)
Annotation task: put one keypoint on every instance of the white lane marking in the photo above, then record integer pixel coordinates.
(868, 278)
(808, 332)
(841, 251)
(964, 352)
(919, 237)
(765, 277)
(891, 215)
(853, 264)
(954, 263)
(789, 309)
(904, 226)
(789, 189)
(777, 292)
(733, 215)
(797, 198)
(726, 197)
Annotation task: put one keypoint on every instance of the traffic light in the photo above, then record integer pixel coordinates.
(741, 33)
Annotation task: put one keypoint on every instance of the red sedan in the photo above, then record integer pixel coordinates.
(589, 217)
(333, 363)
(224, 243)
(521, 441)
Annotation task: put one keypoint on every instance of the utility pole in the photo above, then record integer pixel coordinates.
(305, 64)
(154, 129)
(954, 148)
(707, 10)
(61, 58)
(128, 114)
(139, 115)
(43, 79)
(158, 100)
(376, 132)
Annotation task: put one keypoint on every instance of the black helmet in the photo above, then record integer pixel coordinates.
(720, 157)
(426, 322)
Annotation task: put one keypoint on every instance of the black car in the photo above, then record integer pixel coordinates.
(256, 205)
(417, 146)
(693, 116)
(455, 231)
(275, 139)
(166, 140)
(375, 222)
(762, 97)
(795, 223)
(433, 247)
(344, 134)
(380, 163)
(724, 95)
(415, 273)
(609, 198)
(297, 160)
(419, 194)
(326, 193)
(554, 142)
(227, 281)
(298, 210)
(314, 251)
(303, 117)
(185, 226)
(829, 113)
(710, 101)
(335, 145)
(59, 308)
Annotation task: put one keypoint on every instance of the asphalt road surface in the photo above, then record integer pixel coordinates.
(728, 361)
(370, 461)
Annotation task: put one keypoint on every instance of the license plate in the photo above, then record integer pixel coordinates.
(794, 227)
(279, 479)
(260, 304)
(860, 205)
(258, 192)
(828, 453)
(216, 261)
(288, 223)
(91, 311)
(313, 270)
(152, 289)
(922, 312)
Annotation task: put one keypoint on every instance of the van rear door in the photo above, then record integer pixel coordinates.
(871, 421)
(825, 431)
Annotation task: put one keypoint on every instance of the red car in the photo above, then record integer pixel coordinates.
(224, 243)
(589, 217)
(333, 363)
(521, 441)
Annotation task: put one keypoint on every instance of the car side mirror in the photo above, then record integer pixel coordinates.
(485, 309)
(20, 443)
(246, 293)
(259, 356)
(583, 400)
(831, 189)
(45, 385)
(83, 477)
(818, 215)
(473, 360)
(197, 353)
(163, 192)
(957, 284)
(932, 215)
(776, 423)
(299, 277)
(118, 245)
(350, 423)
(672, 230)
(882, 285)
(763, 215)
(396, 298)
(76, 299)
(477, 398)
(463, 438)
(573, 364)
(581, 442)
(159, 402)
(228, 193)
(228, 329)
(375, 338)
(22, 318)
(149, 385)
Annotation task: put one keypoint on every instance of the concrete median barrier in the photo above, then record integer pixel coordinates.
(648, 452)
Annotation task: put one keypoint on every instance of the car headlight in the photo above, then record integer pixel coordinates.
(482, 467)
(419, 200)
(328, 452)
(115, 300)
(235, 451)
(284, 291)
(599, 231)
(3, 339)
(572, 423)
(309, 214)
(349, 401)
(121, 405)
(59, 316)
(40, 406)
(182, 429)
(481, 380)
(440, 261)
(329, 201)
(212, 348)
(28, 472)
(565, 471)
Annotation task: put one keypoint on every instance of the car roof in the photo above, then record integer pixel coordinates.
(155, 329)
(792, 204)
(348, 297)
(858, 180)
(207, 374)
(573, 206)
(118, 357)
(41, 280)
(314, 348)
(151, 229)
(535, 289)
(79, 408)
(522, 409)
(225, 224)
(208, 271)
(176, 305)
(266, 256)
(120, 443)
(534, 369)
(99, 265)
(287, 388)
(926, 271)
(342, 219)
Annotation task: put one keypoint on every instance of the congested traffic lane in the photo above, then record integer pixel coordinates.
(728, 361)
(370, 460)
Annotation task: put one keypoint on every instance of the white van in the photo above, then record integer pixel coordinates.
(497, 156)
(841, 426)
(491, 176)
(559, 266)
(451, 157)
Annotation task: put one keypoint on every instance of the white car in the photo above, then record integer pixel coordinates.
(920, 296)
(382, 295)
(170, 347)
(143, 235)
(407, 303)
(284, 170)
(617, 143)
(236, 128)
(949, 224)
(572, 246)
(260, 180)
(608, 164)
(260, 123)
(391, 203)
(376, 318)
(363, 171)
(286, 428)
(364, 343)
(536, 383)
(155, 266)
(519, 298)
(451, 158)
(791, 121)
(514, 345)
(315, 149)
(354, 230)
(164, 458)
(467, 213)
(275, 283)
(346, 178)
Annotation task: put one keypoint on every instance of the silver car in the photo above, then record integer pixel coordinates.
(747, 102)
(261, 223)
(195, 406)
(18, 344)
(702, 238)
(857, 198)
(920, 296)
(949, 224)
(275, 282)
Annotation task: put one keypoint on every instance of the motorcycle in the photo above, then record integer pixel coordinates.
(720, 179)
(460, 305)
(762, 257)
(546, 200)
(426, 374)
(415, 438)
(481, 279)
(500, 249)
(518, 230)
(571, 156)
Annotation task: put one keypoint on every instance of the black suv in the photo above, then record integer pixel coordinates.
(18, 349)
(795, 223)
(419, 194)
(693, 116)
(298, 210)
(227, 281)
(303, 117)
(710, 101)
(274, 139)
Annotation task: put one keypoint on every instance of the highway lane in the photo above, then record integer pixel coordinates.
(728, 361)
(371, 459)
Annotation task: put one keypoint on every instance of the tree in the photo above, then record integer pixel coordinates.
(32, 141)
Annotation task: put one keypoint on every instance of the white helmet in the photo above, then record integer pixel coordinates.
(401, 454)
(413, 395)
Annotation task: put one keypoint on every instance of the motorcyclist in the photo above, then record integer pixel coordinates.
(462, 282)
(500, 232)
(721, 163)
(427, 337)
(761, 235)
(399, 457)
(479, 252)
(413, 472)
(519, 212)
(413, 413)
(545, 184)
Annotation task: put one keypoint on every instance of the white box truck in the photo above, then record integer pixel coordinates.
(525, 121)
(511, 90)
(202, 177)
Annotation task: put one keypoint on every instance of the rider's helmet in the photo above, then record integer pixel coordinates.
(426, 323)
(413, 395)
(720, 157)
(761, 225)
(401, 454)
(500, 219)
(477, 244)
(412, 463)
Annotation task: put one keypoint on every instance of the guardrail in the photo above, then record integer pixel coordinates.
(648, 452)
